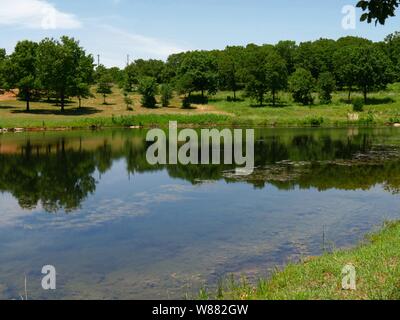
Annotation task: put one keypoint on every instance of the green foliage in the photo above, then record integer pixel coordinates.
(316, 56)
(255, 72)
(277, 76)
(288, 50)
(130, 78)
(62, 66)
(378, 10)
(326, 85)
(149, 68)
(229, 69)
(392, 48)
(20, 70)
(128, 102)
(197, 72)
(148, 88)
(302, 84)
(373, 69)
(367, 120)
(166, 95)
(186, 103)
(104, 82)
(2, 65)
(358, 105)
(315, 121)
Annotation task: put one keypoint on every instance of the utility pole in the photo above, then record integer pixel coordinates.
(128, 60)
(98, 60)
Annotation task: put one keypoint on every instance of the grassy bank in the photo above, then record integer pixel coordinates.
(377, 262)
(383, 109)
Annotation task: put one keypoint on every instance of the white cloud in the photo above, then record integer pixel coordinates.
(35, 14)
(121, 42)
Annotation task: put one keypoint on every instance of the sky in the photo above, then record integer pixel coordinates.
(157, 28)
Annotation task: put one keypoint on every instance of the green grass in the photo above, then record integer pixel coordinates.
(377, 263)
(383, 108)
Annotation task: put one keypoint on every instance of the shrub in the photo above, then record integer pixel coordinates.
(368, 120)
(166, 95)
(358, 105)
(129, 103)
(186, 103)
(315, 121)
(301, 84)
(326, 85)
(148, 88)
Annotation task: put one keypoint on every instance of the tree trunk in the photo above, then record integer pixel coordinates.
(28, 98)
(80, 102)
(349, 99)
(234, 94)
(62, 96)
(104, 99)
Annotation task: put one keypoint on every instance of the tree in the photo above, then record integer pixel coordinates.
(21, 72)
(58, 66)
(198, 72)
(288, 50)
(378, 10)
(229, 63)
(392, 47)
(255, 73)
(130, 77)
(166, 95)
(149, 68)
(2, 66)
(301, 84)
(326, 85)
(84, 79)
(148, 88)
(276, 75)
(128, 101)
(316, 56)
(345, 62)
(104, 82)
(82, 91)
(373, 69)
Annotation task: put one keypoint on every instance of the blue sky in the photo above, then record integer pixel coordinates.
(157, 28)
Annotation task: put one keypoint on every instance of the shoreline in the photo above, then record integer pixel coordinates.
(162, 121)
(376, 261)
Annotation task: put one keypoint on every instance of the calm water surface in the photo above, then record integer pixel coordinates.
(116, 227)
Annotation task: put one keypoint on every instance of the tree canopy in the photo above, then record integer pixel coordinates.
(378, 10)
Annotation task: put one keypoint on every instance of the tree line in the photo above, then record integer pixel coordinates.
(60, 69)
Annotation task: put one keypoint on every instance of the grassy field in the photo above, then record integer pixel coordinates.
(383, 108)
(95, 113)
(377, 263)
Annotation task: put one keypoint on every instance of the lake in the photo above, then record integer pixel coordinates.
(115, 227)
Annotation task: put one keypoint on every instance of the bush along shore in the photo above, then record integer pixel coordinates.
(377, 275)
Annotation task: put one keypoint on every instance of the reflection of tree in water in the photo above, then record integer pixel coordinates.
(60, 177)
(57, 178)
